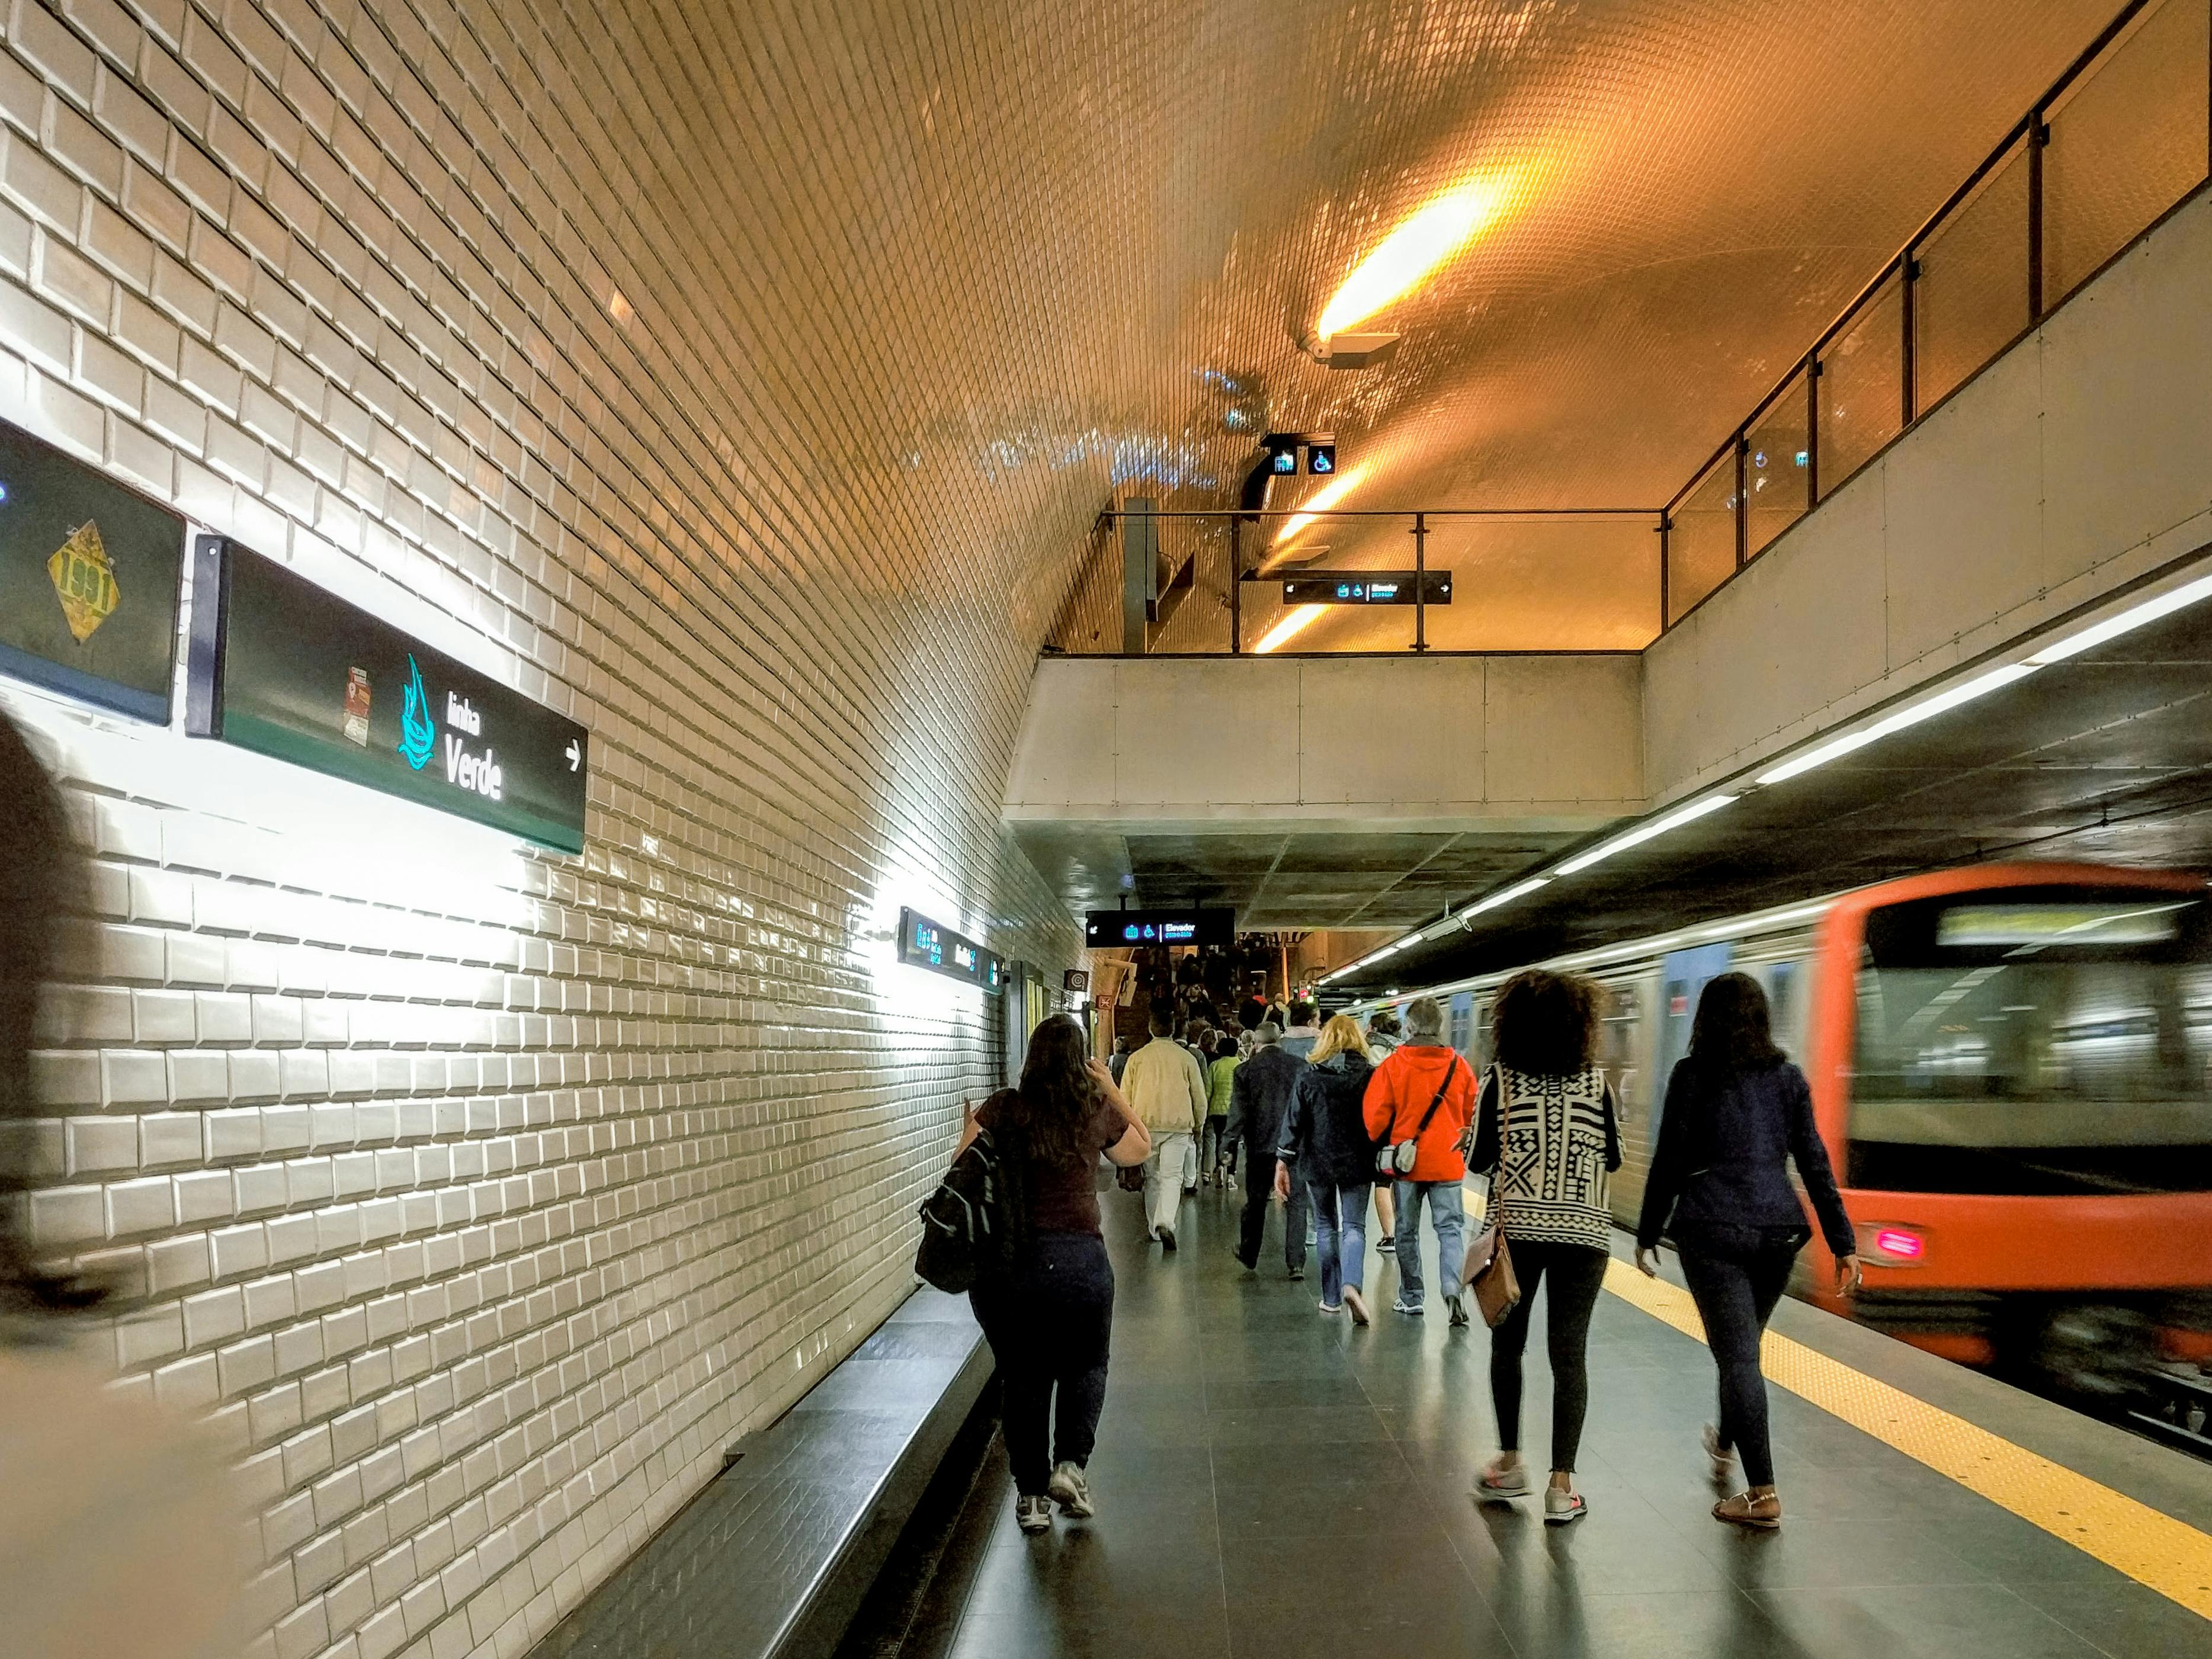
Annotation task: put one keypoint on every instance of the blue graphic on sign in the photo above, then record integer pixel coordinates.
(418, 732)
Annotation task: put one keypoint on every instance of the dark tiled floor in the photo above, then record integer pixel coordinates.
(1273, 1484)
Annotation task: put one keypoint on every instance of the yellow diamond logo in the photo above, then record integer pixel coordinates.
(84, 580)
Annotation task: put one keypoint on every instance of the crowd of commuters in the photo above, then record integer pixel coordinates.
(1326, 1118)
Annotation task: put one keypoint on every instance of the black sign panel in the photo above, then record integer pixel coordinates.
(88, 577)
(1103, 928)
(1365, 587)
(279, 665)
(927, 944)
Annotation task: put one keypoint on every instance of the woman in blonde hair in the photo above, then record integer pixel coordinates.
(1325, 1145)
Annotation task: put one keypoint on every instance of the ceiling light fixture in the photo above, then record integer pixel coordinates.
(1942, 702)
(1401, 261)
(2125, 623)
(1644, 832)
(1294, 623)
(1519, 890)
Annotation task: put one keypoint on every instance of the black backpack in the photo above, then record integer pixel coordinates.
(975, 1222)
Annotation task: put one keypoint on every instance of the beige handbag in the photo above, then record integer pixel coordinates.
(1489, 1269)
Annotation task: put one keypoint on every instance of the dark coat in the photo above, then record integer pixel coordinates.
(1260, 1100)
(1325, 1142)
(1720, 1172)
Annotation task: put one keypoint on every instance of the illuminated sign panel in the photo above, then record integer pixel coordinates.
(1191, 926)
(1365, 587)
(278, 665)
(927, 944)
(88, 579)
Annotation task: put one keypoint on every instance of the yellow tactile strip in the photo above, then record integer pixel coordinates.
(2170, 1556)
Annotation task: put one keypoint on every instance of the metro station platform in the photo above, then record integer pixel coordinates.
(1274, 1483)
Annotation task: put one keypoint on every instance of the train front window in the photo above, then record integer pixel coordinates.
(2039, 1041)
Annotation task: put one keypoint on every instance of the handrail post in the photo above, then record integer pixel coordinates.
(1908, 277)
(1742, 505)
(1665, 523)
(1421, 581)
(1812, 430)
(1236, 587)
(2039, 138)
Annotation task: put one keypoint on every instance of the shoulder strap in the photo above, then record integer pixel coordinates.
(1451, 1071)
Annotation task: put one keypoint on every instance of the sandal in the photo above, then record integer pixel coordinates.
(1722, 1457)
(1761, 1513)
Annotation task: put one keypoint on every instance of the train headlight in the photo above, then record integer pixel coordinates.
(1892, 1244)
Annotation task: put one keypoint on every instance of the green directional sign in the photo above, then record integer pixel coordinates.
(283, 667)
(89, 574)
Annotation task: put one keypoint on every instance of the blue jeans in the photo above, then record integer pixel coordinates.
(1340, 1237)
(1447, 1215)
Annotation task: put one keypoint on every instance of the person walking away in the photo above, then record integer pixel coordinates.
(1120, 1057)
(1737, 1114)
(1424, 1093)
(1303, 1031)
(1162, 1084)
(1546, 1099)
(1050, 1320)
(1259, 1105)
(1198, 1037)
(1220, 1078)
(1325, 1145)
(1383, 1033)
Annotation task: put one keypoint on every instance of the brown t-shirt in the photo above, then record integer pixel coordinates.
(1064, 1197)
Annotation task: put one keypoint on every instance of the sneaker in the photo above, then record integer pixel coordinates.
(1033, 1513)
(1072, 1492)
(1457, 1305)
(1405, 1307)
(1723, 1458)
(1762, 1513)
(1190, 1192)
(1249, 1268)
(1499, 1481)
(1167, 1239)
(1332, 1306)
(1387, 1244)
(1297, 1273)
(1561, 1507)
(1357, 1302)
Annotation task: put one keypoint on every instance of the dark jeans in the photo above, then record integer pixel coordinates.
(1050, 1324)
(1214, 1147)
(1252, 1231)
(1735, 1298)
(1576, 1273)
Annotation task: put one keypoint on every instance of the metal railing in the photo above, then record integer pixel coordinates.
(2119, 141)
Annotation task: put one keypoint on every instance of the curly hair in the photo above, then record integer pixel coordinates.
(1546, 1024)
(1732, 1031)
(1057, 1095)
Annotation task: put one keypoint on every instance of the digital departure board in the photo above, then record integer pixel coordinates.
(1367, 587)
(89, 578)
(931, 945)
(1192, 926)
(283, 667)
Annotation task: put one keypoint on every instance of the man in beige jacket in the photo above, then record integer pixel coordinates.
(1167, 1092)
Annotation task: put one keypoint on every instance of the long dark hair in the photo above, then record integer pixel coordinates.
(39, 877)
(1732, 1032)
(1546, 1024)
(1057, 1095)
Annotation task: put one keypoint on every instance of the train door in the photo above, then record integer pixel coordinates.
(1683, 977)
(1462, 1025)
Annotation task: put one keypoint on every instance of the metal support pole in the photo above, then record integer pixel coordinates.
(1812, 431)
(1742, 505)
(1907, 276)
(2038, 139)
(1665, 523)
(1236, 587)
(1421, 581)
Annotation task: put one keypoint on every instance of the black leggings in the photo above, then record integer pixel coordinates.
(1735, 1298)
(1050, 1325)
(1576, 1271)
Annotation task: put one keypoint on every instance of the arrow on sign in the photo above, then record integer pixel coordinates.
(575, 754)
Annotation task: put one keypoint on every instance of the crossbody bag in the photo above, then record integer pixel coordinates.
(1395, 1161)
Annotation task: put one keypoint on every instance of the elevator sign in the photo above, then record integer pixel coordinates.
(1368, 587)
(279, 665)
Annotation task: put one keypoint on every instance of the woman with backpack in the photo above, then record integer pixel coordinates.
(1325, 1145)
(1048, 1313)
(1546, 1102)
(1737, 1114)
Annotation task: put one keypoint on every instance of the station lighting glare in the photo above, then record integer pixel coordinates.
(1644, 832)
(1294, 623)
(1519, 890)
(1404, 259)
(1321, 501)
(1980, 686)
(2126, 622)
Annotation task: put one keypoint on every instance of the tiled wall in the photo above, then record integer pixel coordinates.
(483, 1197)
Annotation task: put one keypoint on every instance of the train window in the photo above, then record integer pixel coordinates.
(2051, 1043)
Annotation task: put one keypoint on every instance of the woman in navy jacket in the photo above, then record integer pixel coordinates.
(1737, 1114)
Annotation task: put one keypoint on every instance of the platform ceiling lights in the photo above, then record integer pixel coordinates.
(1397, 266)
(2125, 622)
(1644, 832)
(1518, 891)
(1835, 747)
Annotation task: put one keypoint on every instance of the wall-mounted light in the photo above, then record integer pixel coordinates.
(1404, 259)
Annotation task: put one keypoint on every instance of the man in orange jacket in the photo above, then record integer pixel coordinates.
(1425, 1093)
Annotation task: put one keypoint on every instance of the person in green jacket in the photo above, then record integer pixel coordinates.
(1218, 1160)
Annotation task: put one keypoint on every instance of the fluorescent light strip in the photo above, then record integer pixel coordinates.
(1519, 890)
(2126, 622)
(1941, 704)
(1642, 833)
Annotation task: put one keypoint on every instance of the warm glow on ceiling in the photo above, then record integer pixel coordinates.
(1404, 259)
(1323, 499)
(1294, 621)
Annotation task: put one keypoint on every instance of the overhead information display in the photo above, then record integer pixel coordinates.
(279, 665)
(1190, 925)
(1367, 587)
(89, 578)
(927, 944)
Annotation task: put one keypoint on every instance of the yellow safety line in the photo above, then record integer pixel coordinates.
(2170, 1556)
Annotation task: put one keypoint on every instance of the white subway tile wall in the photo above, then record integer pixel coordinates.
(483, 1197)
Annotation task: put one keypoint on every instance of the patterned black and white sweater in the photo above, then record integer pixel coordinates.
(1561, 1139)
